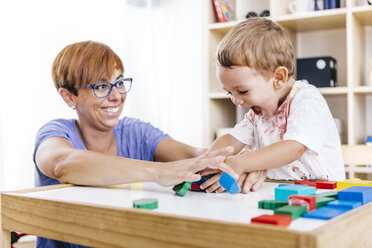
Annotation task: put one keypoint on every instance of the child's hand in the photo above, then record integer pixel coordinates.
(212, 184)
(252, 181)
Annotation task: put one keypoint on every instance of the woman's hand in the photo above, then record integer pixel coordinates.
(252, 181)
(172, 173)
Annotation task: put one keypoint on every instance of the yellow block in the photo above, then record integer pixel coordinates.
(353, 182)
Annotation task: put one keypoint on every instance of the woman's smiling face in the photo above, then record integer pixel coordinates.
(100, 113)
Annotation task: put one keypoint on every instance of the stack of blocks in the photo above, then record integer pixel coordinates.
(300, 200)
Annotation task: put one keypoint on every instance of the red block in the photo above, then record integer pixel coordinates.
(309, 201)
(195, 186)
(276, 219)
(323, 184)
(305, 182)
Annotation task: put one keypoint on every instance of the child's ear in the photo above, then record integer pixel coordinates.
(67, 96)
(280, 77)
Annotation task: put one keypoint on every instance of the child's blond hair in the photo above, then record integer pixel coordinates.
(257, 43)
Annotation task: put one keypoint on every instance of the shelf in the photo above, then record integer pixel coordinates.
(363, 89)
(334, 91)
(358, 169)
(343, 33)
(363, 14)
(221, 27)
(313, 21)
(218, 95)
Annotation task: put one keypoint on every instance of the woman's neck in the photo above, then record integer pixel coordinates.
(97, 141)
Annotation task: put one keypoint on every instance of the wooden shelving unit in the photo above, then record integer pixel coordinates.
(340, 33)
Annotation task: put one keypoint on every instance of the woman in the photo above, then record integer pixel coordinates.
(99, 148)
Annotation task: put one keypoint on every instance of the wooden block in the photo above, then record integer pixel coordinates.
(344, 204)
(146, 203)
(182, 188)
(325, 213)
(293, 211)
(362, 194)
(353, 182)
(308, 201)
(276, 219)
(331, 194)
(323, 200)
(282, 193)
(271, 204)
(305, 182)
(323, 184)
(195, 187)
(229, 183)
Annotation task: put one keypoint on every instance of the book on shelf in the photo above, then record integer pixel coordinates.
(224, 9)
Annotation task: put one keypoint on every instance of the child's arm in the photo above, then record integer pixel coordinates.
(248, 182)
(227, 140)
(273, 156)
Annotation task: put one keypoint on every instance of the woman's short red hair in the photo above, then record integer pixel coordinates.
(84, 63)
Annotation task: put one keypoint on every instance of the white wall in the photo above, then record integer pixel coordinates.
(160, 45)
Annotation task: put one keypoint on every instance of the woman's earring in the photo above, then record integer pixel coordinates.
(73, 107)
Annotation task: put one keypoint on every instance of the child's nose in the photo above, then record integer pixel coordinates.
(236, 100)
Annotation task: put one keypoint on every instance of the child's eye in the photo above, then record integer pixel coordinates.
(243, 92)
(228, 93)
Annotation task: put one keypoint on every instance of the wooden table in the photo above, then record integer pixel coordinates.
(104, 217)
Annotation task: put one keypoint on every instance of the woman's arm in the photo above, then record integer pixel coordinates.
(57, 159)
(172, 150)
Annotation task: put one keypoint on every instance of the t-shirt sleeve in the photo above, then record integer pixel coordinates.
(51, 129)
(152, 138)
(139, 139)
(308, 120)
(243, 131)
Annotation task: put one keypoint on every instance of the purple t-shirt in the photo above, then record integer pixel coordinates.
(134, 139)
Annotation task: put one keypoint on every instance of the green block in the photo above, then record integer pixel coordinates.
(331, 194)
(323, 200)
(182, 188)
(146, 203)
(292, 210)
(271, 204)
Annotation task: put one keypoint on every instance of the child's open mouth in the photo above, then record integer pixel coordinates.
(257, 110)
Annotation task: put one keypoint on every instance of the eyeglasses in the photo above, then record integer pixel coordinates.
(103, 89)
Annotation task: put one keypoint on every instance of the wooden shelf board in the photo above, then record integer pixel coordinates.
(314, 21)
(218, 95)
(333, 90)
(363, 14)
(358, 169)
(363, 89)
(222, 27)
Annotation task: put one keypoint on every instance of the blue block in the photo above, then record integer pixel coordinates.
(229, 183)
(344, 204)
(325, 213)
(362, 194)
(202, 180)
(282, 193)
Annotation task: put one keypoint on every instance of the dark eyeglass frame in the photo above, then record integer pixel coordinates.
(91, 86)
